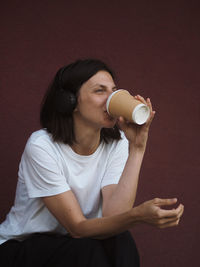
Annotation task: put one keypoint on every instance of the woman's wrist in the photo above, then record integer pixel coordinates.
(136, 149)
(135, 215)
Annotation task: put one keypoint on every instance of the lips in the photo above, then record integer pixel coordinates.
(108, 116)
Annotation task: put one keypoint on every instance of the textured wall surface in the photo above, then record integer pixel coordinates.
(153, 46)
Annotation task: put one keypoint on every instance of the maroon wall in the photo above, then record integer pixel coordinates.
(154, 49)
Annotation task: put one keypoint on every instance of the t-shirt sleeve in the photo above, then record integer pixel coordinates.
(116, 162)
(42, 172)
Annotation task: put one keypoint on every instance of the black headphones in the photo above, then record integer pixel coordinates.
(65, 100)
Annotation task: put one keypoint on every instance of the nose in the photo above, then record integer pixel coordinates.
(109, 92)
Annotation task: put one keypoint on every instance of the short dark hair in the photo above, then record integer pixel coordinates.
(60, 125)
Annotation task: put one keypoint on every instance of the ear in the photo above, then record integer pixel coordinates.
(76, 109)
(77, 104)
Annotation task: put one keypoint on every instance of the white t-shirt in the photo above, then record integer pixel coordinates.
(49, 168)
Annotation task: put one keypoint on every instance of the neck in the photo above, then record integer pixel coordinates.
(87, 139)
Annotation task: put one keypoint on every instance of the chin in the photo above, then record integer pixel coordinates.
(109, 123)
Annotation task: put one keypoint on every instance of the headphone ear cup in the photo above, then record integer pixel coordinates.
(65, 102)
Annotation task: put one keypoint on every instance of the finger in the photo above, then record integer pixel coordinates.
(152, 114)
(121, 119)
(170, 224)
(146, 102)
(122, 123)
(165, 202)
(174, 213)
(167, 220)
(149, 104)
(182, 210)
(141, 99)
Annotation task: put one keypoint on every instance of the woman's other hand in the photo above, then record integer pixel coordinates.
(150, 212)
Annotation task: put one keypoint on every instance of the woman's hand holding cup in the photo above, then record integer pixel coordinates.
(128, 108)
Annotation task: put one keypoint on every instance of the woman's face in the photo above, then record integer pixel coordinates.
(92, 97)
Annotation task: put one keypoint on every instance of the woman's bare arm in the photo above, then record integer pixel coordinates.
(120, 198)
(67, 211)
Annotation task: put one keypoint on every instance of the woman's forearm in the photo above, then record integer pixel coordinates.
(149, 212)
(105, 227)
(67, 211)
(123, 197)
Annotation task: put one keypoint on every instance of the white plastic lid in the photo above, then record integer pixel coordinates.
(141, 114)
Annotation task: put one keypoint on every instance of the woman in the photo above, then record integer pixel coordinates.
(78, 179)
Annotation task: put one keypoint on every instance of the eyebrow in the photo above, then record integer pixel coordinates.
(104, 86)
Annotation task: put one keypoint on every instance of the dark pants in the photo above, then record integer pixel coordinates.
(48, 250)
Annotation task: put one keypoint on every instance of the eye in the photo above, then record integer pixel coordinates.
(99, 90)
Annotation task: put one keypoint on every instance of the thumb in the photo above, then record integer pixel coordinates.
(121, 123)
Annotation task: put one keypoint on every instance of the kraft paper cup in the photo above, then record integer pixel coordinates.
(122, 103)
